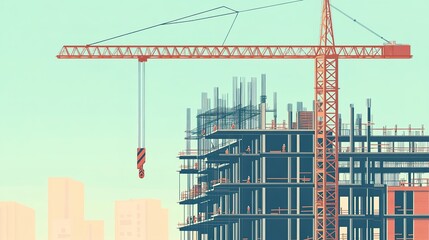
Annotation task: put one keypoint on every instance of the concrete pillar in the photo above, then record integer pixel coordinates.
(290, 116)
(263, 180)
(352, 143)
(256, 229)
(275, 109)
(368, 142)
(188, 131)
(298, 191)
(289, 171)
(263, 149)
(256, 201)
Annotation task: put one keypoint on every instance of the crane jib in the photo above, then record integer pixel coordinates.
(389, 51)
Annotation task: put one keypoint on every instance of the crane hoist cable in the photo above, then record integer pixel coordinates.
(182, 19)
(360, 24)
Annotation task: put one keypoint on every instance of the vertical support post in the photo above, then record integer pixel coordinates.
(263, 149)
(249, 94)
(289, 171)
(404, 219)
(254, 100)
(290, 120)
(383, 208)
(368, 141)
(351, 162)
(340, 122)
(240, 104)
(298, 190)
(351, 211)
(275, 109)
(141, 149)
(188, 131)
(352, 141)
(234, 91)
(216, 105)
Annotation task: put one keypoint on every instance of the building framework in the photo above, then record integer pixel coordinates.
(249, 178)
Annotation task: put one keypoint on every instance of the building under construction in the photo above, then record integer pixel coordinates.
(247, 175)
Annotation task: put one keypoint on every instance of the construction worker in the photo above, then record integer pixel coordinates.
(248, 209)
(284, 147)
(226, 151)
(214, 128)
(203, 132)
(232, 126)
(248, 179)
(248, 149)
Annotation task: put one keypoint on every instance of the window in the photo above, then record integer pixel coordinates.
(357, 164)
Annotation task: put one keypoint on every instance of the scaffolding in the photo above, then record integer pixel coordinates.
(249, 179)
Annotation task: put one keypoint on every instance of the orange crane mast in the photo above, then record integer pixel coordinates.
(326, 56)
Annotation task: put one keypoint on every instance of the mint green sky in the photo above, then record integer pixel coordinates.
(68, 118)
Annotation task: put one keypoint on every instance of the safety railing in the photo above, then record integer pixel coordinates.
(386, 148)
(203, 151)
(192, 152)
(194, 166)
(194, 219)
(302, 210)
(420, 182)
(383, 131)
(220, 180)
(406, 164)
(274, 125)
(196, 191)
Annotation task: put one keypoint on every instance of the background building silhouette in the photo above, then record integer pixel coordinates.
(141, 219)
(17, 222)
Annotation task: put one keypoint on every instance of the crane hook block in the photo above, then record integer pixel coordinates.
(141, 159)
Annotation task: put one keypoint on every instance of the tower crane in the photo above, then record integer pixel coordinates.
(326, 56)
